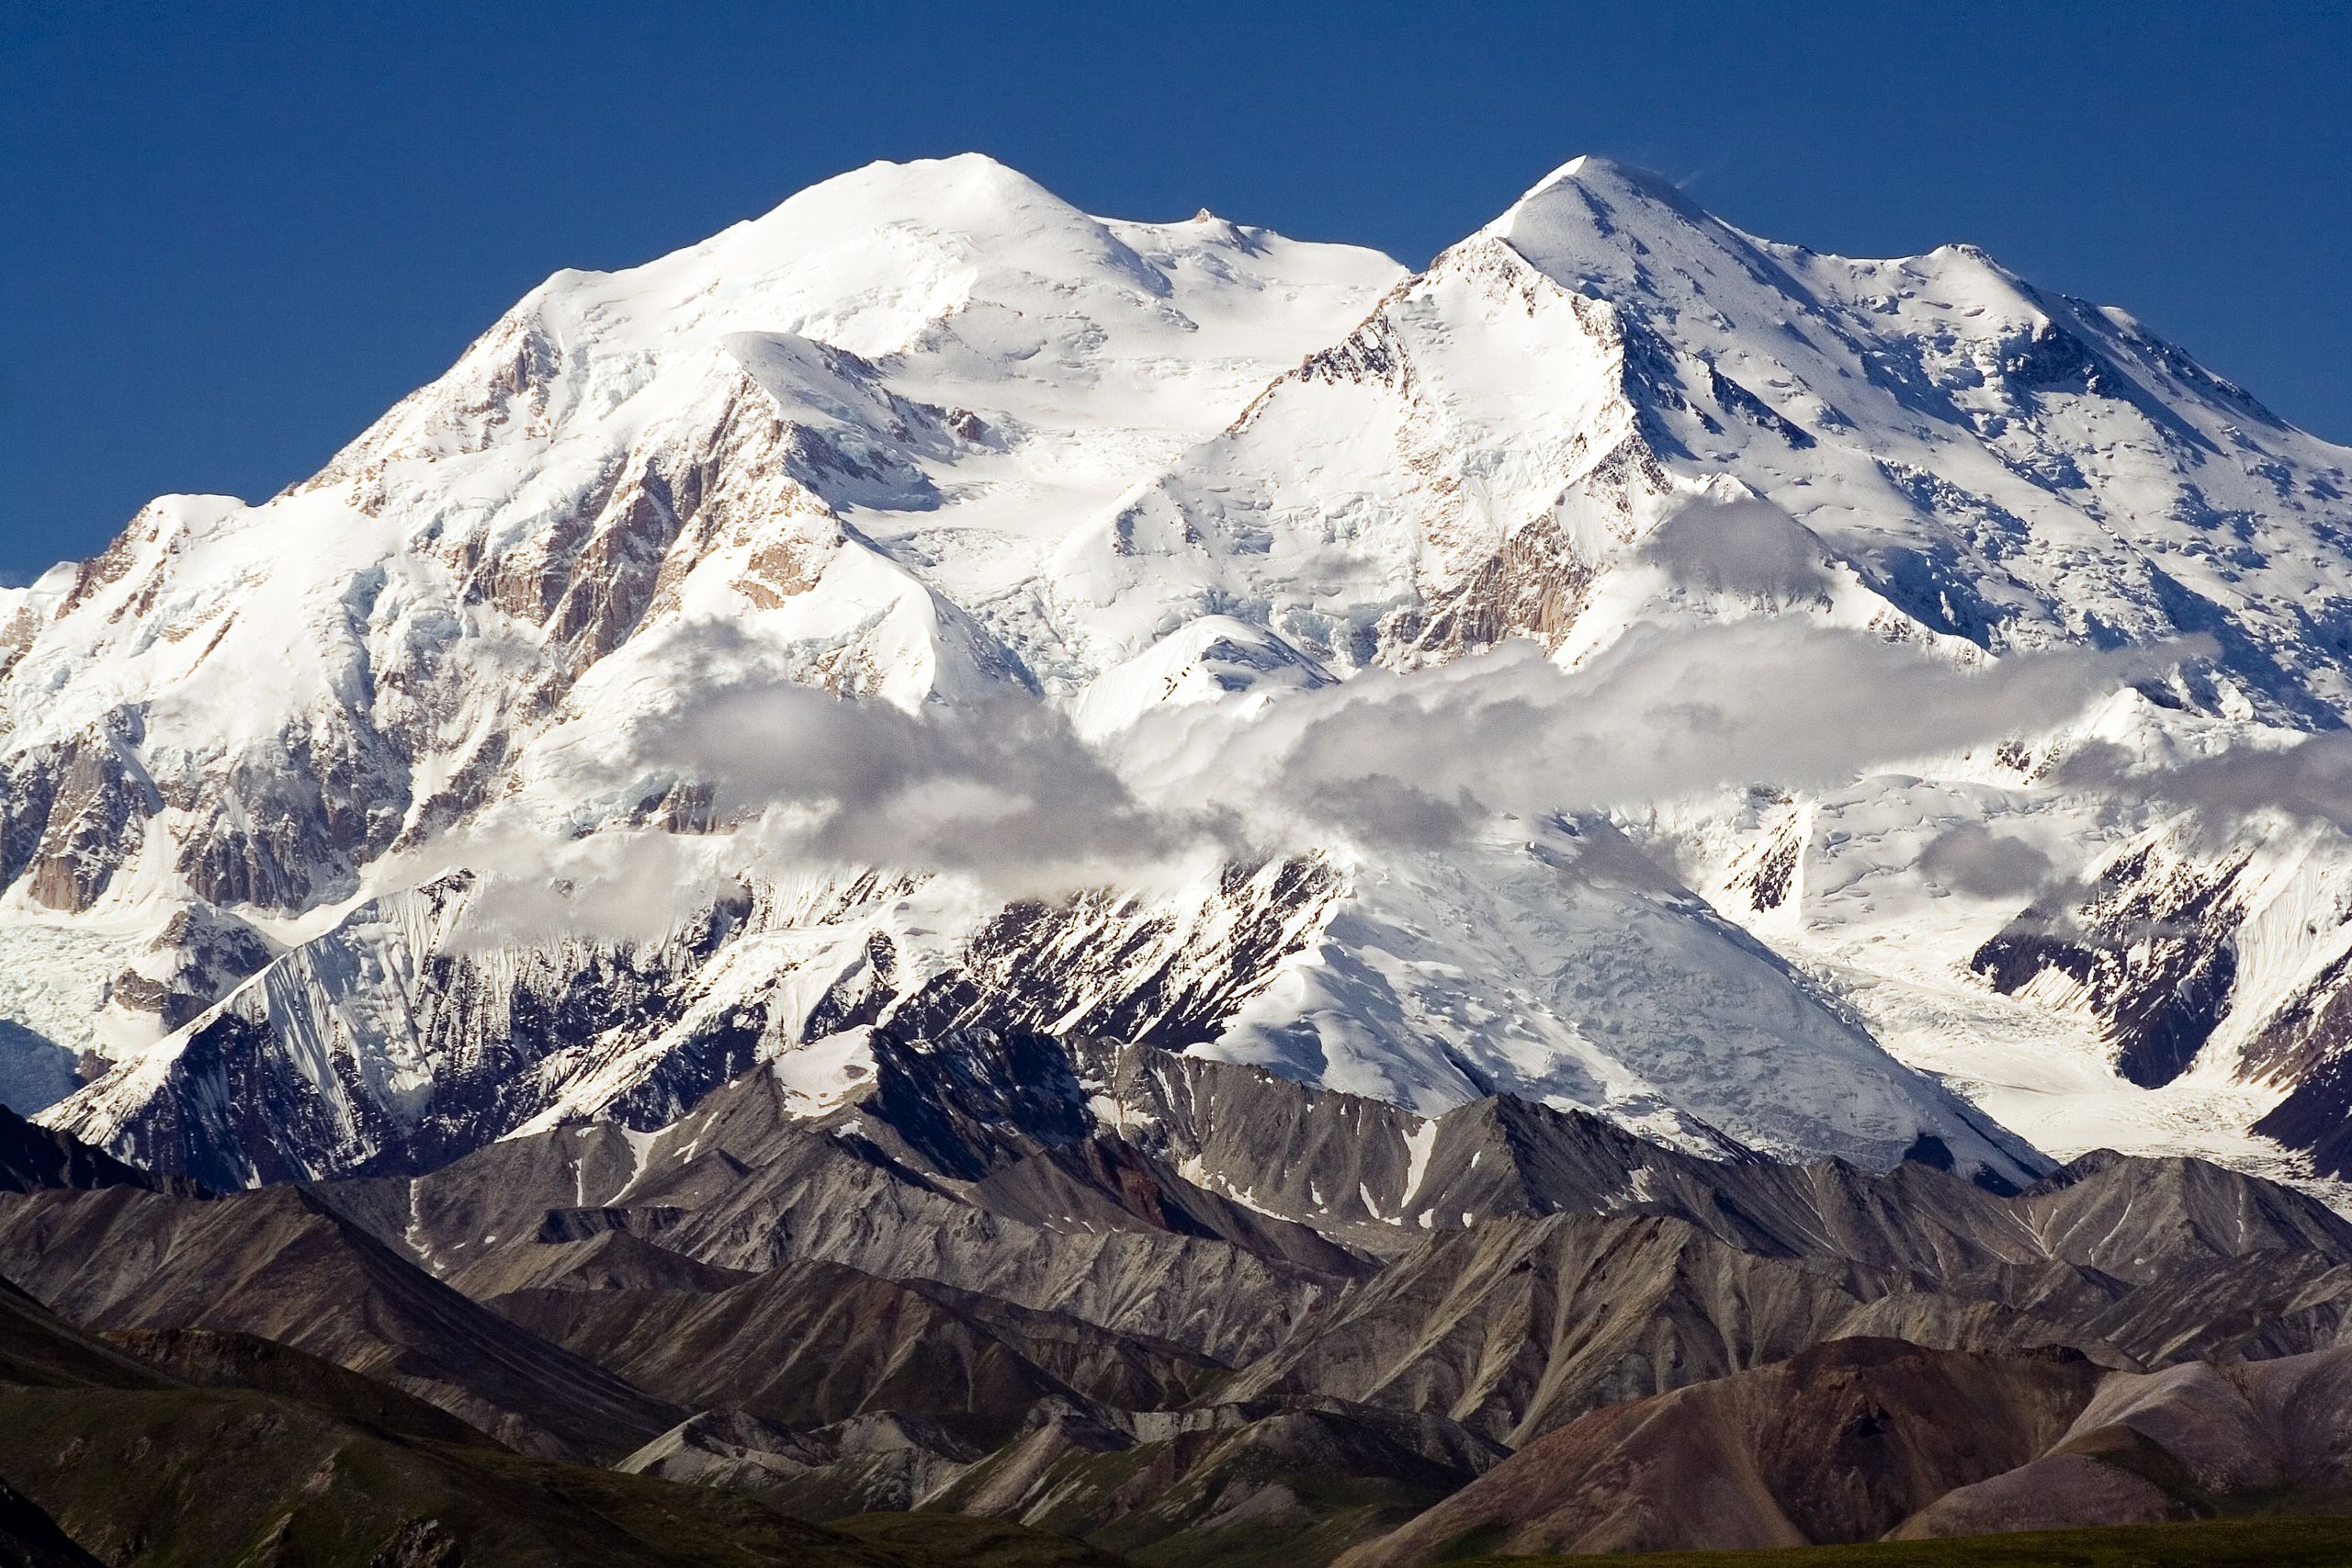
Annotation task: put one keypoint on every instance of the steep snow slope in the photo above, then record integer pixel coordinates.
(2009, 466)
(456, 791)
(246, 705)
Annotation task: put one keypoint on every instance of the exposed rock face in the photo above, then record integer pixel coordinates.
(2056, 1491)
(42, 1351)
(2153, 946)
(1516, 1328)
(32, 1157)
(1253, 1483)
(1861, 1438)
(865, 1465)
(199, 956)
(2317, 1117)
(83, 804)
(2168, 1446)
(1537, 1265)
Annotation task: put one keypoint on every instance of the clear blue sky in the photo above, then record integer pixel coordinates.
(234, 233)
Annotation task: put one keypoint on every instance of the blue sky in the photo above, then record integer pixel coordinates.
(232, 233)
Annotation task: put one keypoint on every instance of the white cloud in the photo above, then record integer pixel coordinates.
(1004, 793)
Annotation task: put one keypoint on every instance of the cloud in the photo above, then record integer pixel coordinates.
(1663, 713)
(1003, 792)
(998, 788)
(1970, 858)
(1749, 548)
(623, 886)
(2310, 781)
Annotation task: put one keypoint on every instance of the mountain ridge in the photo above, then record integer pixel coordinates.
(925, 437)
(978, 1318)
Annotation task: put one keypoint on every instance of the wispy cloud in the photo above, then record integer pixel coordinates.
(2309, 780)
(1004, 793)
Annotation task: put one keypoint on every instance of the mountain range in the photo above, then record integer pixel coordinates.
(948, 859)
(1154, 1333)
(1773, 701)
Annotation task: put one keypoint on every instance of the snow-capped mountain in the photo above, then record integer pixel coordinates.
(1765, 698)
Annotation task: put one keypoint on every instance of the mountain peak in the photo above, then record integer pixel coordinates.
(1585, 166)
(947, 193)
(1604, 177)
(969, 171)
(1587, 222)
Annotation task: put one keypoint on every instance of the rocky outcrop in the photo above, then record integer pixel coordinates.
(33, 1158)
(2152, 949)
